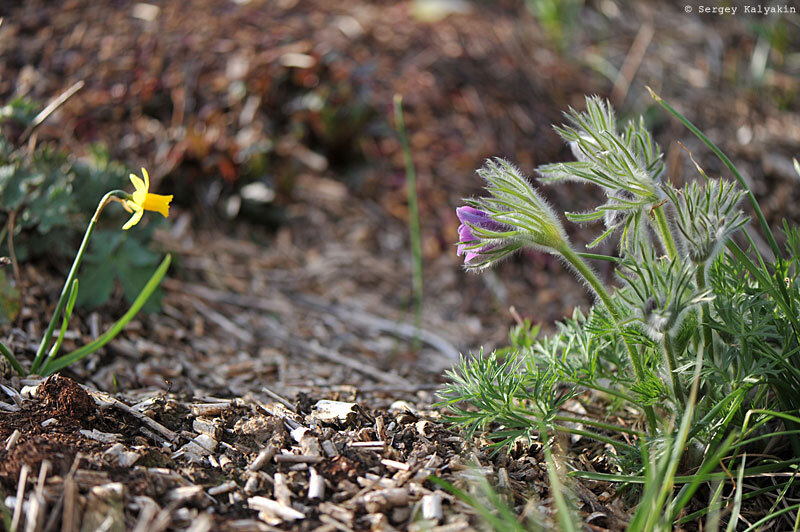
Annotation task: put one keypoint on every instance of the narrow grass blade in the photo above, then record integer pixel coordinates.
(566, 519)
(64, 361)
(745, 496)
(12, 360)
(714, 504)
(596, 256)
(769, 517)
(413, 217)
(737, 498)
(698, 478)
(73, 294)
(505, 522)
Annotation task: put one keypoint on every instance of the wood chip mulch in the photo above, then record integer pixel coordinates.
(156, 461)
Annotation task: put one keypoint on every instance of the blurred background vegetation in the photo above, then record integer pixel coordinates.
(254, 111)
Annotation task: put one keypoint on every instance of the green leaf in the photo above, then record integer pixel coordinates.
(14, 184)
(10, 303)
(581, 217)
(68, 308)
(117, 256)
(99, 286)
(22, 110)
(496, 513)
(49, 211)
(133, 280)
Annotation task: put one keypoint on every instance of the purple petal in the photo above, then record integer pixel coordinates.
(464, 235)
(476, 253)
(469, 256)
(470, 253)
(478, 218)
(471, 215)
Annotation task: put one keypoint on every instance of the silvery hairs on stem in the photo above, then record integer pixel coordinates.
(626, 164)
(512, 216)
(660, 290)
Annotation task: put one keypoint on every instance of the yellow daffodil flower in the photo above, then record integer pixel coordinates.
(142, 200)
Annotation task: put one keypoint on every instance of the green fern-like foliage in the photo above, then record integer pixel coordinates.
(693, 350)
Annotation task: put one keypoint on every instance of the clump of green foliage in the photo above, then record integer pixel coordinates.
(558, 18)
(44, 197)
(700, 334)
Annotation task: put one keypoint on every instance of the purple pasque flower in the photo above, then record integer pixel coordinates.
(468, 246)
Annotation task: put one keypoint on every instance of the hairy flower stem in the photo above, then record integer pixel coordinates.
(705, 309)
(664, 232)
(586, 272)
(672, 364)
(114, 195)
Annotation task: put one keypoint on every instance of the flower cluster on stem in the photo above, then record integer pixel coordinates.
(658, 292)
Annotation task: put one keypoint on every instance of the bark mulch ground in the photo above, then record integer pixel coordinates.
(280, 388)
(205, 463)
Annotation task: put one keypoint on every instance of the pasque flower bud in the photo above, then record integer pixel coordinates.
(511, 217)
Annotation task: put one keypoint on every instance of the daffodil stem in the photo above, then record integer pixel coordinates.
(73, 294)
(586, 272)
(665, 233)
(114, 195)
